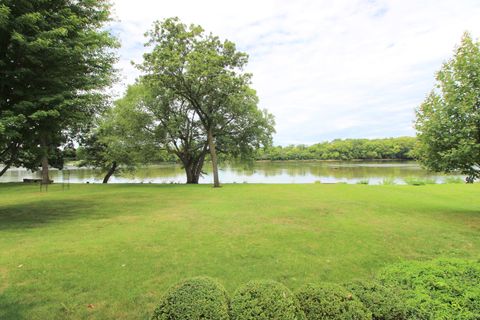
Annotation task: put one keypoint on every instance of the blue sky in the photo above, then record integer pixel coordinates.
(325, 69)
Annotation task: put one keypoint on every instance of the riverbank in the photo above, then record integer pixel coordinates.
(110, 251)
(288, 172)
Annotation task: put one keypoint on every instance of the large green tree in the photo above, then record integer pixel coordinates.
(160, 119)
(448, 121)
(169, 124)
(55, 60)
(204, 74)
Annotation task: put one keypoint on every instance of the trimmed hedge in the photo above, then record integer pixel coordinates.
(192, 299)
(440, 289)
(330, 301)
(264, 300)
(385, 303)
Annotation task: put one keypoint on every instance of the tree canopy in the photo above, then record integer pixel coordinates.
(197, 72)
(55, 61)
(162, 120)
(121, 139)
(448, 121)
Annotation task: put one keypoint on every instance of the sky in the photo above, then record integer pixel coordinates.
(325, 69)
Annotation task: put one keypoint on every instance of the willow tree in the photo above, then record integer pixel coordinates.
(205, 75)
(55, 59)
(121, 139)
(448, 121)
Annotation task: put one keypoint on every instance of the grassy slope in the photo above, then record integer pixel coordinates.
(119, 247)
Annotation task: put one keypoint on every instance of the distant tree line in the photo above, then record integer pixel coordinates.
(344, 149)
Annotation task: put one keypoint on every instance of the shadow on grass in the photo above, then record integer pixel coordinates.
(11, 309)
(39, 213)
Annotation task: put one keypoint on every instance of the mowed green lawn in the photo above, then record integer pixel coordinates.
(110, 251)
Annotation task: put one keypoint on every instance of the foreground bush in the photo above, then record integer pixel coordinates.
(436, 290)
(329, 301)
(264, 300)
(385, 303)
(192, 299)
(441, 289)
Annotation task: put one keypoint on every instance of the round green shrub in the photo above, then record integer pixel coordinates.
(264, 300)
(192, 299)
(384, 302)
(330, 301)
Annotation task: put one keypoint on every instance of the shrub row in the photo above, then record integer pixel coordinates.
(442, 289)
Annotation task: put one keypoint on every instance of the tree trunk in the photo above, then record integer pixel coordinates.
(199, 165)
(213, 155)
(192, 177)
(7, 166)
(190, 172)
(13, 147)
(45, 176)
(193, 168)
(111, 171)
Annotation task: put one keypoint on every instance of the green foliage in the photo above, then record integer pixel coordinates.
(385, 303)
(441, 289)
(121, 139)
(363, 181)
(55, 59)
(4, 16)
(455, 180)
(348, 149)
(165, 123)
(264, 300)
(199, 78)
(194, 299)
(330, 301)
(448, 121)
(414, 181)
(388, 181)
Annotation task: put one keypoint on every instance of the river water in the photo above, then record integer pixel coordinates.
(375, 172)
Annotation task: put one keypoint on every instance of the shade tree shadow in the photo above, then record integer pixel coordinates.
(11, 309)
(42, 212)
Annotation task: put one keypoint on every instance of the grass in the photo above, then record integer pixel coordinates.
(388, 181)
(109, 252)
(363, 181)
(453, 180)
(414, 181)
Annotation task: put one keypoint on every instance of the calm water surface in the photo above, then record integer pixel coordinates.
(261, 172)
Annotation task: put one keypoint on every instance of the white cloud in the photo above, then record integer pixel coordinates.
(325, 69)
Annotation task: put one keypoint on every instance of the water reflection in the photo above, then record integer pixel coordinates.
(260, 172)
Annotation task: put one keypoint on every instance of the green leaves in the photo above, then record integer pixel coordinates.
(122, 136)
(56, 59)
(4, 15)
(44, 114)
(448, 121)
(263, 300)
(194, 299)
(440, 289)
(197, 85)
